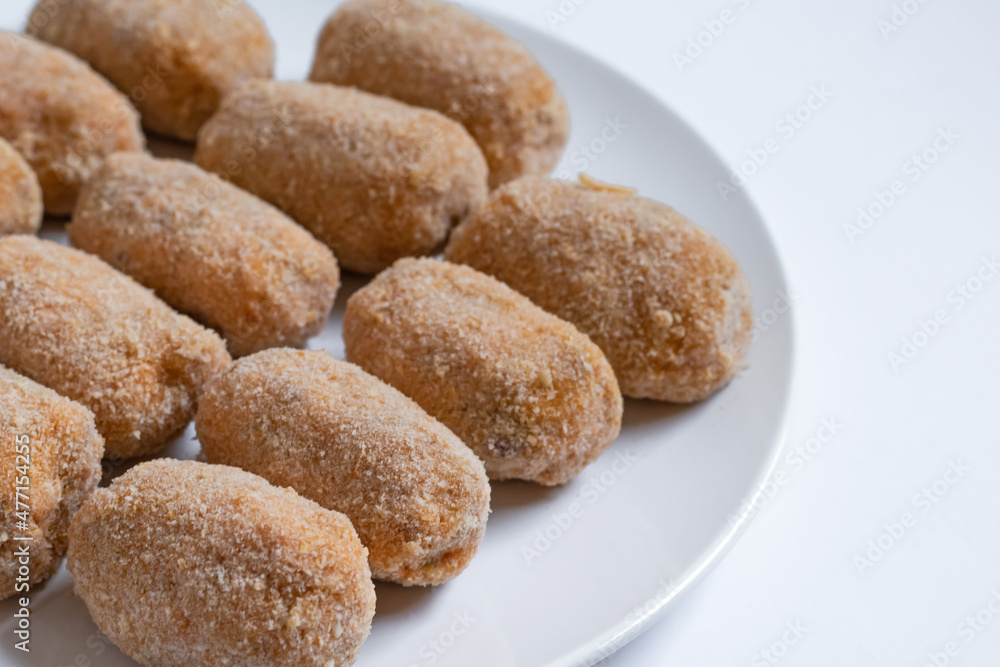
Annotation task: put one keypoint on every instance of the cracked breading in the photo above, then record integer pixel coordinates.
(61, 116)
(74, 324)
(185, 563)
(63, 467)
(666, 301)
(417, 496)
(531, 395)
(174, 58)
(20, 194)
(209, 249)
(437, 55)
(371, 177)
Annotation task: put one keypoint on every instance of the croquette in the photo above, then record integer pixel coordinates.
(372, 178)
(185, 563)
(533, 397)
(665, 300)
(62, 117)
(175, 59)
(417, 496)
(50, 461)
(437, 55)
(76, 325)
(209, 249)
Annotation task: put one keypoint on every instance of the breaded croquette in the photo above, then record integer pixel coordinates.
(437, 55)
(209, 249)
(372, 178)
(62, 117)
(175, 59)
(184, 563)
(416, 495)
(665, 300)
(531, 395)
(50, 461)
(76, 325)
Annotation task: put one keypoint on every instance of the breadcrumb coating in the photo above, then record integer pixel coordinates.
(59, 466)
(372, 178)
(417, 496)
(531, 395)
(61, 116)
(74, 324)
(209, 249)
(175, 59)
(20, 194)
(666, 302)
(183, 563)
(436, 55)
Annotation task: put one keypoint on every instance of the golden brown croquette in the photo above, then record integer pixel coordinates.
(185, 563)
(666, 301)
(209, 249)
(531, 395)
(416, 495)
(74, 324)
(372, 178)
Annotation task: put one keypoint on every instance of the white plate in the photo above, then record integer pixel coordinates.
(651, 517)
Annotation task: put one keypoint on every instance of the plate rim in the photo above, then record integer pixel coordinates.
(606, 644)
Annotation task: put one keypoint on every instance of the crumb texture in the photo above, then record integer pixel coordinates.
(209, 249)
(666, 301)
(436, 55)
(183, 563)
(417, 496)
(175, 59)
(61, 116)
(74, 324)
(63, 466)
(533, 397)
(20, 194)
(372, 178)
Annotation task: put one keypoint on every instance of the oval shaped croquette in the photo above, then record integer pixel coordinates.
(370, 177)
(62, 117)
(666, 301)
(437, 55)
(175, 59)
(531, 395)
(50, 461)
(74, 324)
(416, 495)
(184, 563)
(208, 249)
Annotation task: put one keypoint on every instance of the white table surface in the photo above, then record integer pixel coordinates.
(795, 590)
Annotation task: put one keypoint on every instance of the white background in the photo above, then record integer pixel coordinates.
(855, 301)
